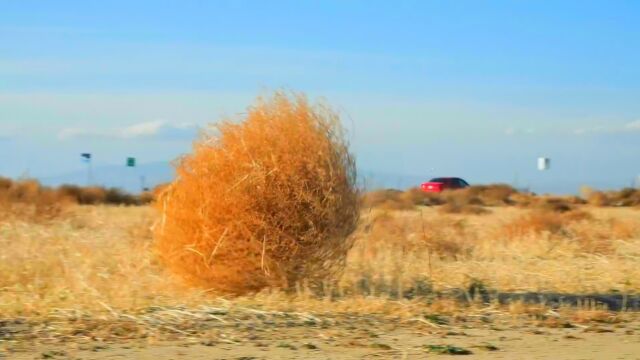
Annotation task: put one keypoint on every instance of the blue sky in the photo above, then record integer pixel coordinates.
(477, 89)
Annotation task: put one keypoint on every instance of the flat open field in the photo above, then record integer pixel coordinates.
(417, 283)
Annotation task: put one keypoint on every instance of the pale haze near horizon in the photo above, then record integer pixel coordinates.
(426, 88)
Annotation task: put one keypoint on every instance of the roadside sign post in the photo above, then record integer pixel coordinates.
(86, 158)
(143, 185)
(131, 162)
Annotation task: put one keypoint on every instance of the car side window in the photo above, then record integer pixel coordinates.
(462, 183)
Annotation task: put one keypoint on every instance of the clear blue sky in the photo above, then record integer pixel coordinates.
(477, 89)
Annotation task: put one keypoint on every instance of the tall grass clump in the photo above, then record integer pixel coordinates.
(268, 201)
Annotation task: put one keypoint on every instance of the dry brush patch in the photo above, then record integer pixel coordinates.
(93, 258)
(472, 200)
(91, 279)
(513, 249)
(625, 197)
(27, 199)
(102, 255)
(477, 199)
(267, 201)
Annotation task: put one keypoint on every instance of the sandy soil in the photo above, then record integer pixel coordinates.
(358, 340)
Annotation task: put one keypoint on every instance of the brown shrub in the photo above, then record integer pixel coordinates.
(5, 183)
(557, 204)
(265, 202)
(576, 215)
(115, 196)
(469, 200)
(432, 199)
(553, 204)
(595, 198)
(472, 199)
(392, 199)
(457, 208)
(84, 195)
(444, 236)
(94, 195)
(389, 199)
(623, 197)
(592, 235)
(541, 221)
(534, 222)
(523, 200)
(147, 197)
(623, 229)
(491, 195)
(415, 196)
(575, 200)
(28, 200)
(460, 197)
(600, 236)
(598, 198)
(464, 201)
(449, 238)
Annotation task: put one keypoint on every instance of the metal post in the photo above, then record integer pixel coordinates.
(143, 187)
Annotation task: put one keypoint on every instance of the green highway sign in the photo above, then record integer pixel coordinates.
(131, 161)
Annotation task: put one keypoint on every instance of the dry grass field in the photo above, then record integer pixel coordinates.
(87, 284)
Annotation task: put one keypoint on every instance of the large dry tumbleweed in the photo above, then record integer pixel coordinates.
(267, 201)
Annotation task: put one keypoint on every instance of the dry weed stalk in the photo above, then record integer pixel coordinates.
(264, 202)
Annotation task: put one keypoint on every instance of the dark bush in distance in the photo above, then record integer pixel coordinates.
(95, 195)
(30, 191)
(115, 196)
(28, 200)
(92, 195)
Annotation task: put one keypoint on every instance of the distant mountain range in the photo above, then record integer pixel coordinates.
(152, 174)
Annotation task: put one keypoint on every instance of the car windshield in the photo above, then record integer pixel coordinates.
(440, 180)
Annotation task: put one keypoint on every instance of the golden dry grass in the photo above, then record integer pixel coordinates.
(267, 201)
(99, 258)
(512, 249)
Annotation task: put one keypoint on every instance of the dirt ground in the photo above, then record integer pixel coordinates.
(355, 338)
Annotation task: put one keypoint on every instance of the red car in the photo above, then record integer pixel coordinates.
(443, 183)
